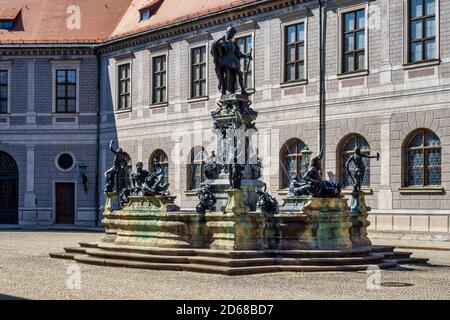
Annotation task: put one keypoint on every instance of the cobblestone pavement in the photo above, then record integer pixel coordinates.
(26, 271)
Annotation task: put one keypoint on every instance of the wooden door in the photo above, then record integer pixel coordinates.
(65, 202)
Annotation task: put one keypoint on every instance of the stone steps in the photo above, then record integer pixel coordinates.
(236, 262)
(223, 270)
(233, 262)
(410, 260)
(78, 250)
(397, 255)
(241, 254)
(88, 244)
(63, 255)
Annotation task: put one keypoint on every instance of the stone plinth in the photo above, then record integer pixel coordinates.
(332, 216)
(109, 213)
(153, 221)
(313, 223)
(360, 223)
(236, 228)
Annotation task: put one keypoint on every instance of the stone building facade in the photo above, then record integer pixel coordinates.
(386, 80)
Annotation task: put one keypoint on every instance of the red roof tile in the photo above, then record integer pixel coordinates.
(45, 21)
(9, 13)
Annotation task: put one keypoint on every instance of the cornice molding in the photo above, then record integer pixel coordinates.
(246, 26)
(201, 37)
(124, 56)
(294, 14)
(66, 62)
(159, 47)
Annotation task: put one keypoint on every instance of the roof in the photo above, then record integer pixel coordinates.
(9, 13)
(46, 21)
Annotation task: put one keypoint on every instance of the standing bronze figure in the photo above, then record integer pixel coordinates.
(120, 164)
(227, 55)
(360, 168)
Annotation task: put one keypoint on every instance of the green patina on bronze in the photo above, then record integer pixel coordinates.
(303, 223)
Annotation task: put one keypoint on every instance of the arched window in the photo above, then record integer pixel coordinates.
(160, 156)
(197, 168)
(347, 150)
(291, 161)
(423, 159)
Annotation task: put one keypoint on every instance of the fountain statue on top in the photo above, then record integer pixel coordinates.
(227, 57)
(236, 165)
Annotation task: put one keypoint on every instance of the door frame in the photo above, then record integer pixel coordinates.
(75, 207)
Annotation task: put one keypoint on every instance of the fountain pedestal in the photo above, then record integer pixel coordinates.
(360, 223)
(236, 228)
(154, 221)
(112, 205)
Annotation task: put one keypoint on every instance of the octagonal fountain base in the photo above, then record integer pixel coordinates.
(308, 234)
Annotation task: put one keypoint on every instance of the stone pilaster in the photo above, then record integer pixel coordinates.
(31, 113)
(30, 195)
(382, 20)
(385, 192)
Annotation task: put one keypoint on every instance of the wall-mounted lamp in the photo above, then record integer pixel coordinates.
(83, 168)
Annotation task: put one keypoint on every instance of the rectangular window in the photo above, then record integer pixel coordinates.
(3, 91)
(422, 30)
(294, 52)
(354, 41)
(66, 91)
(246, 46)
(159, 80)
(198, 72)
(124, 86)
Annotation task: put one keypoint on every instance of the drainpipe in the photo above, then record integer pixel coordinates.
(322, 97)
(97, 154)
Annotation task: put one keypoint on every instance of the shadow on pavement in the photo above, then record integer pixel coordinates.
(7, 297)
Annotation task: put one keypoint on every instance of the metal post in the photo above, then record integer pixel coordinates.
(322, 97)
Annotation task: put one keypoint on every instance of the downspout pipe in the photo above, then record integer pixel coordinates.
(97, 152)
(322, 93)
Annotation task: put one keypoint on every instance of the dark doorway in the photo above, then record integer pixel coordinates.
(9, 190)
(65, 202)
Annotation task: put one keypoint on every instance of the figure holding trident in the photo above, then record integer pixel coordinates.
(227, 57)
(360, 168)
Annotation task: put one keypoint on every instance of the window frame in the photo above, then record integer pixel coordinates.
(65, 65)
(152, 75)
(118, 81)
(73, 159)
(191, 70)
(341, 13)
(252, 62)
(407, 35)
(285, 181)
(66, 85)
(7, 69)
(166, 162)
(422, 148)
(193, 162)
(284, 27)
(341, 152)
